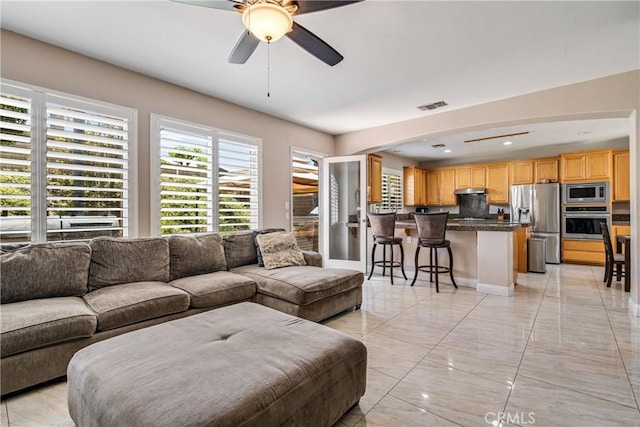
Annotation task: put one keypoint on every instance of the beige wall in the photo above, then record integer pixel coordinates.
(30, 61)
(616, 96)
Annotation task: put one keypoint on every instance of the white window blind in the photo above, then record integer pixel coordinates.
(68, 165)
(391, 191)
(237, 185)
(186, 193)
(208, 179)
(15, 168)
(87, 173)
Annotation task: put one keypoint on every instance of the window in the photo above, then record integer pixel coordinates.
(391, 191)
(66, 167)
(206, 179)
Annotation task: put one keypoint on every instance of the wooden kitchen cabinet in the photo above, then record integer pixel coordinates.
(440, 187)
(583, 251)
(469, 177)
(433, 188)
(586, 166)
(621, 181)
(522, 235)
(415, 186)
(546, 169)
(497, 183)
(521, 172)
(374, 178)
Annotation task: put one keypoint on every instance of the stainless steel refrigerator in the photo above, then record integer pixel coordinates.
(539, 206)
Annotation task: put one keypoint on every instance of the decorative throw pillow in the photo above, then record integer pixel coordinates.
(279, 250)
(256, 234)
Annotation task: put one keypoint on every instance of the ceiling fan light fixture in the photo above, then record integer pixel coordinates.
(267, 21)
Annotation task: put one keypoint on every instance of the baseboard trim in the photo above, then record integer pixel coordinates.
(444, 278)
(486, 288)
(634, 309)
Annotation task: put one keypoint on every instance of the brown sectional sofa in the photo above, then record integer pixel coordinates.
(59, 298)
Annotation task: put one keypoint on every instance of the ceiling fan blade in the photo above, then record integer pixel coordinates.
(213, 4)
(243, 48)
(314, 45)
(308, 6)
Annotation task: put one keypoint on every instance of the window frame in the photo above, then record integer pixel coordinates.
(40, 97)
(399, 174)
(157, 121)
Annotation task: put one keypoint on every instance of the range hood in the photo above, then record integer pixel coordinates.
(470, 191)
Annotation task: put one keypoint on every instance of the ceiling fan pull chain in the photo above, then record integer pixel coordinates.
(268, 68)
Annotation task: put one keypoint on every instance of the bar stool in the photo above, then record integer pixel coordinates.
(383, 227)
(431, 234)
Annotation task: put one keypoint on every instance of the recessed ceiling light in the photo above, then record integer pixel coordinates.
(447, 151)
(584, 133)
(507, 143)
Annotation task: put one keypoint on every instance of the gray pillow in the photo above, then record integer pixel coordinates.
(255, 235)
(240, 249)
(193, 255)
(44, 271)
(115, 261)
(280, 250)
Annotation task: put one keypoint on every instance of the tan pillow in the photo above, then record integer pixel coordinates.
(280, 250)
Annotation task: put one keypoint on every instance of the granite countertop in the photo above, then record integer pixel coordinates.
(453, 225)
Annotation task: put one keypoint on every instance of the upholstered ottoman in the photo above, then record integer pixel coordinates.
(241, 365)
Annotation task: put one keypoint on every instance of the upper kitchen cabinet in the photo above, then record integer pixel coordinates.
(374, 178)
(586, 166)
(621, 182)
(498, 183)
(546, 169)
(441, 184)
(469, 176)
(415, 186)
(521, 172)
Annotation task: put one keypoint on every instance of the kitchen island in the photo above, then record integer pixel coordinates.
(484, 253)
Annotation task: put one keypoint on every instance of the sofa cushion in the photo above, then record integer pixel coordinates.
(192, 255)
(256, 233)
(27, 325)
(44, 271)
(302, 285)
(129, 303)
(280, 250)
(216, 289)
(240, 249)
(116, 261)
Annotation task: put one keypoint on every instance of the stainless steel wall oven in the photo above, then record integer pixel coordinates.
(582, 222)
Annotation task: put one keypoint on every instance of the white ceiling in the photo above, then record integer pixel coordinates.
(398, 55)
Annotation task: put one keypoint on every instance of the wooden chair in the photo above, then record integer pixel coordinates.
(612, 259)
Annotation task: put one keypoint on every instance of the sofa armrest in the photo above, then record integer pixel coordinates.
(312, 258)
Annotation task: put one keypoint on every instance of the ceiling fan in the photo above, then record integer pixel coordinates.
(269, 20)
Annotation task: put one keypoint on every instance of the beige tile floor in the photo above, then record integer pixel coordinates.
(562, 352)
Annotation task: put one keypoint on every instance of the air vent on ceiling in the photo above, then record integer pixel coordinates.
(433, 106)
(438, 146)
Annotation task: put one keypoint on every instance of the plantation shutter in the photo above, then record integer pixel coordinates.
(391, 192)
(186, 181)
(15, 168)
(237, 185)
(87, 172)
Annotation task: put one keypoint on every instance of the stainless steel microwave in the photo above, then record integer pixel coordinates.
(587, 192)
